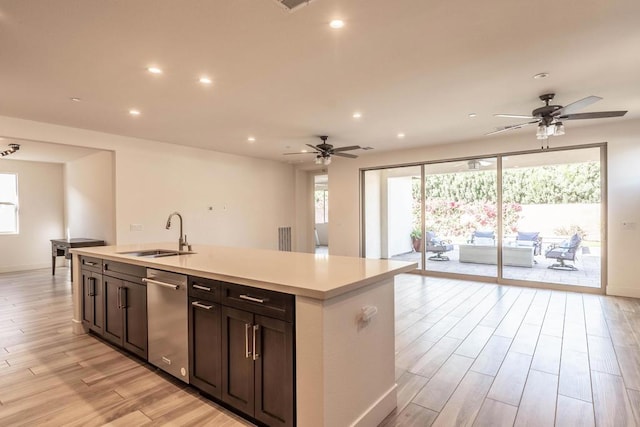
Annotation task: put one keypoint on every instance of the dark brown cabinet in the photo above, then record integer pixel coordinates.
(257, 360)
(126, 306)
(92, 299)
(204, 346)
(125, 320)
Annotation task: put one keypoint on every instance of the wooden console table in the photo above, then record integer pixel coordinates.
(60, 247)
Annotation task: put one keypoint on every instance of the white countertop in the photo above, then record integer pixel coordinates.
(303, 274)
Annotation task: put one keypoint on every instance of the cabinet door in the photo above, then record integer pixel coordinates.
(113, 327)
(274, 397)
(133, 300)
(205, 332)
(237, 361)
(88, 286)
(92, 301)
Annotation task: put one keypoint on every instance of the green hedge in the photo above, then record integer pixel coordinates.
(572, 183)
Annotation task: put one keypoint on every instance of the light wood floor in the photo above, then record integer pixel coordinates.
(487, 355)
(49, 376)
(467, 354)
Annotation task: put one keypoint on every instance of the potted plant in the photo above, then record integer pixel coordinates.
(416, 239)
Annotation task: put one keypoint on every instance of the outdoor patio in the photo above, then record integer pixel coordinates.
(587, 263)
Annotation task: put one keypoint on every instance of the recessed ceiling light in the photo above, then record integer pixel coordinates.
(541, 76)
(251, 139)
(357, 115)
(74, 99)
(472, 115)
(205, 80)
(401, 135)
(336, 24)
(134, 112)
(154, 70)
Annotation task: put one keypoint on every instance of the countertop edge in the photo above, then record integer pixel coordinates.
(278, 287)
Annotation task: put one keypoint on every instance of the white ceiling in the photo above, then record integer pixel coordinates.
(412, 66)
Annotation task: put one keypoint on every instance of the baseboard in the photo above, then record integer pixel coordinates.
(379, 410)
(623, 291)
(13, 268)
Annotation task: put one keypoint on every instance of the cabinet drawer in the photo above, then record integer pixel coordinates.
(260, 301)
(208, 289)
(91, 264)
(133, 273)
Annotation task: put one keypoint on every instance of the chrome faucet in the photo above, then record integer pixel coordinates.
(182, 241)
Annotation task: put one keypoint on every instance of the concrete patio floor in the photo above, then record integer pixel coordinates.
(587, 263)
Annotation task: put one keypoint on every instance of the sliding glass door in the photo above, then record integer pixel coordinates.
(521, 218)
(552, 204)
(461, 217)
(392, 214)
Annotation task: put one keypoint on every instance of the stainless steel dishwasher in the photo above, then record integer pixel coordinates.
(167, 313)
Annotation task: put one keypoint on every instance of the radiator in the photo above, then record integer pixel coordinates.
(284, 239)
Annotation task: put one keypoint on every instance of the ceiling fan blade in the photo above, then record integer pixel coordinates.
(594, 115)
(575, 106)
(349, 148)
(351, 156)
(300, 152)
(514, 116)
(518, 126)
(313, 146)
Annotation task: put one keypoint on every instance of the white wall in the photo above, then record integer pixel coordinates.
(623, 140)
(304, 215)
(373, 214)
(399, 214)
(41, 215)
(250, 198)
(90, 197)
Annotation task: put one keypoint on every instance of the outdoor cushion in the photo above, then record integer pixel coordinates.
(532, 236)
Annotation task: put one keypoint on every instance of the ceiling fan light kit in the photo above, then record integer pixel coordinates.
(324, 151)
(12, 149)
(549, 118)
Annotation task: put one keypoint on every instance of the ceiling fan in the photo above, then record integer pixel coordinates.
(549, 118)
(324, 151)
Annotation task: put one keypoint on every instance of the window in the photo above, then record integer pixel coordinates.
(8, 203)
(321, 198)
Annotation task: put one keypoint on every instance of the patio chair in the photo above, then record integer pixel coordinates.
(530, 239)
(565, 251)
(483, 238)
(437, 246)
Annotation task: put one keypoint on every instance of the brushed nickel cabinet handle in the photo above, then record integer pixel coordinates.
(252, 299)
(247, 326)
(202, 288)
(256, 355)
(119, 297)
(89, 263)
(92, 286)
(200, 305)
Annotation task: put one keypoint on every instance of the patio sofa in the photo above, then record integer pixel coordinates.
(511, 255)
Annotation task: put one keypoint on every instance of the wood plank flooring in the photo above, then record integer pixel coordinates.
(467, 353)
(51, 377)
(489, 355)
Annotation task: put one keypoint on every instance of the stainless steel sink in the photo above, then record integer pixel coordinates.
(156, 253)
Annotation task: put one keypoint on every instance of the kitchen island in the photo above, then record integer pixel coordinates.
(343, 323)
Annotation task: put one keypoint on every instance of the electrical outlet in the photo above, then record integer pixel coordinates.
(135, 227)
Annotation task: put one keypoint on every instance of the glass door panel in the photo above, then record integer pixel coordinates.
(461, 217)
(552, 217)
(392, 214)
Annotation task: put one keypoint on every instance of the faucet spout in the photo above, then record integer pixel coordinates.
(182, 241)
